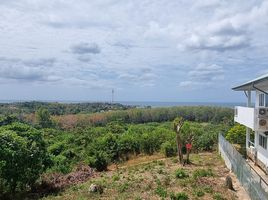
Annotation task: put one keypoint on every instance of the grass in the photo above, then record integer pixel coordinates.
(157, 178)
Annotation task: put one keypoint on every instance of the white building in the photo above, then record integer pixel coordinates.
(255, 118)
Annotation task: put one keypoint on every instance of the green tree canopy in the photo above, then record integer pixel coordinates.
(237, 134)
(23, 156)
(43, 118)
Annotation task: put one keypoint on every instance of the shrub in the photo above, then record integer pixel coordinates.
(99, 160)
(179, 196)
(202, 173)
(181, 173)
(23, 156)
(43, 118)
(168, 149)
(237, 134)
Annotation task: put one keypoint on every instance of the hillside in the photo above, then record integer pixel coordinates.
(156, 177)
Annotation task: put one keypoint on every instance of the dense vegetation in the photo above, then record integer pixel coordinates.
(190, 113)
(114, 137)
(55, 108)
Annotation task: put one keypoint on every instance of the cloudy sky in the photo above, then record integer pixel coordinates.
(150, 50)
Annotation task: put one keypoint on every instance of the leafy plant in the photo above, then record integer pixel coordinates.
(168, 149)
(160, 191)
(181, 173)
(202, 173)
(179, 196)
(218, 196)
(23, 156)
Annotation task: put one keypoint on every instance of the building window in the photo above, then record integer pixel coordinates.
(261, 99)
(266, 100)
(263, 141)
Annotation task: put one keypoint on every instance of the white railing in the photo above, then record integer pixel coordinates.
(245, 116)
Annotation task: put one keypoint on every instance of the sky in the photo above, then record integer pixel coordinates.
(150, 50)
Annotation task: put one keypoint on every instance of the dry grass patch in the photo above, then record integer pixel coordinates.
(157, 178)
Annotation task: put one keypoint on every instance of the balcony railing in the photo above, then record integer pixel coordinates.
(245, 116)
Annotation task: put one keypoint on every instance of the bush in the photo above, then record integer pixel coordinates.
(23, 156)
(168, 149)
(179, 196)
(237, 134)
(99, 160)
(181, 173)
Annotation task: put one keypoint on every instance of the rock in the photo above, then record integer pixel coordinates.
(95, 188)
(229, 183)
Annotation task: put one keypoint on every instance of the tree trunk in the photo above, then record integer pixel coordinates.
(188, 155)
(178, 123)
(179, 147)
(188, 150)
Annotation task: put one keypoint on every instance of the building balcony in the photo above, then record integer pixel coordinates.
(245, 116)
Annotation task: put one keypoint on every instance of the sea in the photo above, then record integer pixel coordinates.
(153, 104)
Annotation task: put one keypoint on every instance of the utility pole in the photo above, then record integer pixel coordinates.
(112, 95)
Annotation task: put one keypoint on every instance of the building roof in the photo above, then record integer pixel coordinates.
(260, 83)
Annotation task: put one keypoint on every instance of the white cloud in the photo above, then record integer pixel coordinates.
(110, 42)
(203, 76)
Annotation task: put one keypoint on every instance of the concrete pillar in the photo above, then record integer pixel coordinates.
(248, 129)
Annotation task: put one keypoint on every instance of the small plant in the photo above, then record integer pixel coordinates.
(160, 171)
(115, 177)
(160, 191)
(208, 189)
(218, 196)
(202, 173)
(161, 163)
(198, 193)
(123, 187)
(179, 196)
(181, 173)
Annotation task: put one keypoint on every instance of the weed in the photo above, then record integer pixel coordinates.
(208, 189)
(160, 171)
(198, 193)
(181, 173)
(179, 196)
(160, 191)
(115, 177)
(218, 196)
(161, 163)
(123, 187)
(202, 173)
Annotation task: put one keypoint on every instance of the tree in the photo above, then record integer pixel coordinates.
(237, 134)
(43, 118)
(23, 156)
(178, 123)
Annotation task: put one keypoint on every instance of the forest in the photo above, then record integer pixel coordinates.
(38, 145)
(56, 108)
